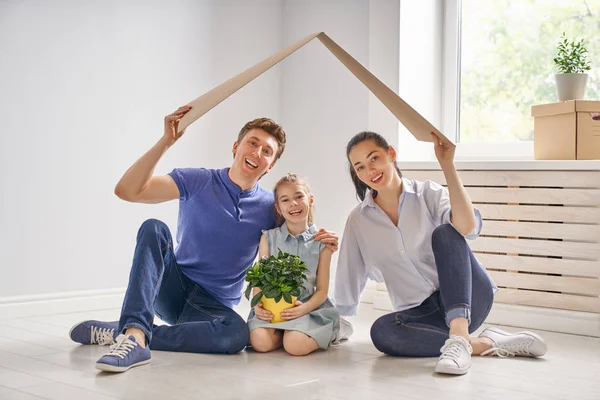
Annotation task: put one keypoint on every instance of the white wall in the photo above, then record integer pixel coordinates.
(421, 69)
(84, 88)
(384, 46)
(324, 105)
(88, 83)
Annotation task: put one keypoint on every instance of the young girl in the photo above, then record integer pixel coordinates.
(313, 322)
(411, 235)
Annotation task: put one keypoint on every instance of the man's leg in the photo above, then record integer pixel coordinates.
(204, 326)
(153, 259)
(156, 284)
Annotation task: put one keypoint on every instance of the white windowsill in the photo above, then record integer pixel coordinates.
(575, 165)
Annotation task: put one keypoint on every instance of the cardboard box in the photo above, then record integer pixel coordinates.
(569, 130)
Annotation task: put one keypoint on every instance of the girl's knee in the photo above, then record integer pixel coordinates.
(264, 340)
(298, 343)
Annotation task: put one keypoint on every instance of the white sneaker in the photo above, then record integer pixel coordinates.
(346, 330)
(506, 344)
(456, 356)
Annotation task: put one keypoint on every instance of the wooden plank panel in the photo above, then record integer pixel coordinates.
(541, 264)
(585, 286)
(542, 230)
(568, 179)
(549, 300)
(576, 197)
(589, 215)
(580, 250)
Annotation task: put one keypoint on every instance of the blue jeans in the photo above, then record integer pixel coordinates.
(199, 323)
(465, 291)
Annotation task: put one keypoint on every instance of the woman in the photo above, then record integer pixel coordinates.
(411, 235)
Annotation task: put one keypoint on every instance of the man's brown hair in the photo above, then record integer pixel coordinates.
(269, 126)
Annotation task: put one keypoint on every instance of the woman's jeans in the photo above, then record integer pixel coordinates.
(199, 322)
(465, 291)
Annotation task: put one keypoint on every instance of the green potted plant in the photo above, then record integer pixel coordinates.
(571, 60)
(280, 279)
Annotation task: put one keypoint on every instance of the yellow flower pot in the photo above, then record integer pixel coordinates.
(277, 307)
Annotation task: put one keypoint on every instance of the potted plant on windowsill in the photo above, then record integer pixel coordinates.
(571, 60)
(280, 279)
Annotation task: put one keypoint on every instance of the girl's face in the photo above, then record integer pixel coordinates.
(373, 165)
(293, 203)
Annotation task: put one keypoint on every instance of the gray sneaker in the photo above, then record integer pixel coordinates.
(506, 344)
(94, 332)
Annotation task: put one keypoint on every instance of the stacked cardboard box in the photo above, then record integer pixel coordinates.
(569, 130)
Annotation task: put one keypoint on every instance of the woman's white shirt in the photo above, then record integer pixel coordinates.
(402, 256)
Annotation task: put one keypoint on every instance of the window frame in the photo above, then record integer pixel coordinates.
(451, 78)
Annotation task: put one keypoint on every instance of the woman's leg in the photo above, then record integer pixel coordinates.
(264, 340)
(298, 343)
(465, 290)
(459, 307)
(467, 296)
(418, 332)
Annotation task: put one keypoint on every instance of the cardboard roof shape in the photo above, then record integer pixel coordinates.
(411, 119)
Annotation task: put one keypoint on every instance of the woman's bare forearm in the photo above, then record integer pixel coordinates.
(463, 214)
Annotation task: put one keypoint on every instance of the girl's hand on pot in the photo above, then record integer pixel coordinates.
(295, 312)
(261, 313)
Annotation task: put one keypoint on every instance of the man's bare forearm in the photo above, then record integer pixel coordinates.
(138, 175)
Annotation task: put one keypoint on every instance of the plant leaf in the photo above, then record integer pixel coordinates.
(256, 299)
(287, 297)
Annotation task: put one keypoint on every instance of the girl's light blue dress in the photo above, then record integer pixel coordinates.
(323, 323)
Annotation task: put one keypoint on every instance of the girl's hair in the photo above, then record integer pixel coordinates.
(296, 180)
(361, 187)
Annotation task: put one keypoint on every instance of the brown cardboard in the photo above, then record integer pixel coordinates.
(588, 135)
(567, 130)
(412, 120)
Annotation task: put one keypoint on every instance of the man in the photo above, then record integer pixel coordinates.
(193, 287)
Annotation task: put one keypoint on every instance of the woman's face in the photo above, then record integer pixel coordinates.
(373, 165)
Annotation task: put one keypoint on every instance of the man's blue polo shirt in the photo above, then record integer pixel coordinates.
(218, 229)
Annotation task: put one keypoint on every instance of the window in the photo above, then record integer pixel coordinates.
(503, 54)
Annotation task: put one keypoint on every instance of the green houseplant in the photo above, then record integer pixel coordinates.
(279, 278)
(572, 63)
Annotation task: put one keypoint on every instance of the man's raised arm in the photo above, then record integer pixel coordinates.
(138, 184)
